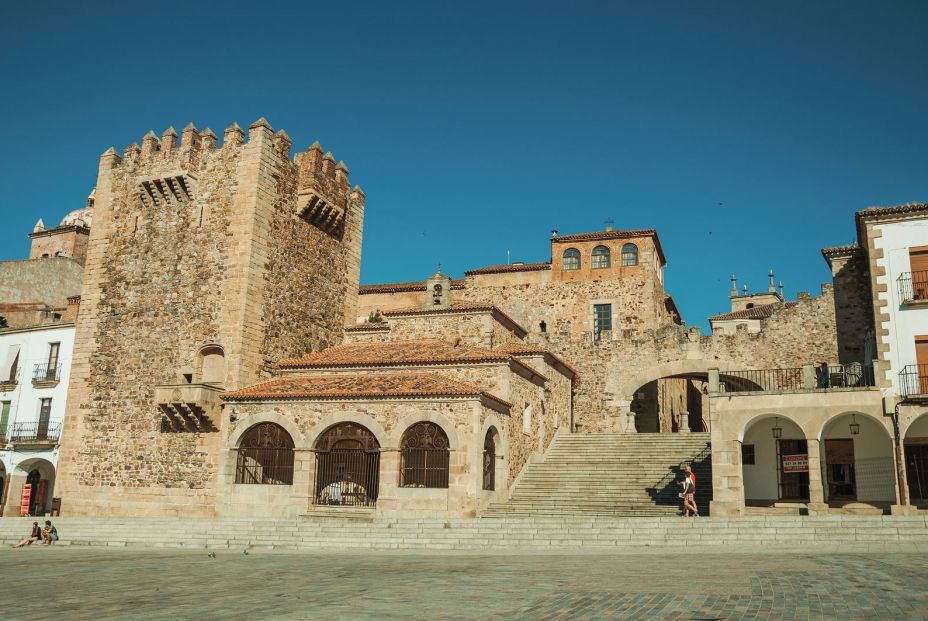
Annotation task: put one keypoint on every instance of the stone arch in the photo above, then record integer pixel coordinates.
(671, 369)
(857, 467)
(765, 480)
(426, 416)
(210, 364)
(46, 478)
(242, 425)
(368, 422)
(916, 427)
(493, 421)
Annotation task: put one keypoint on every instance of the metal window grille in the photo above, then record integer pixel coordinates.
(629, 255)
(347, 467)
(265, 456)
(601, 258)
(424, 456)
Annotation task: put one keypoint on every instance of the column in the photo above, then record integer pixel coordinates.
(816, 490)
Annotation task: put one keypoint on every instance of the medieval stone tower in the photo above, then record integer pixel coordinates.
(206, 265)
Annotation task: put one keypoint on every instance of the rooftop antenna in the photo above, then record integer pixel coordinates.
(609, 222)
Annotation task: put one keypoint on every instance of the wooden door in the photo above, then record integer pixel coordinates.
(918, 260)
(921, 357)
(793, 485)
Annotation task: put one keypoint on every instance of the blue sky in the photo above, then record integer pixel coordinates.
(746, 133)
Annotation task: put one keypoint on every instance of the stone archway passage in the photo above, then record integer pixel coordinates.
(347, 466)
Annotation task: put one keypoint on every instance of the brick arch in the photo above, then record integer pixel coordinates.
(670, 369)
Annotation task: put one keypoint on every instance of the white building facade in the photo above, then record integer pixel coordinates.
(35, 365)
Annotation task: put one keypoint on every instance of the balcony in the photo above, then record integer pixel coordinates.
(913, 382)
(9, 384)
(796, 379)
(188, 408)
(45, 375)
(913, 288)
(42, 432)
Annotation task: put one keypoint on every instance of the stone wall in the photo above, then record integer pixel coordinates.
(853, 305)
(50, 280)
(190, 246)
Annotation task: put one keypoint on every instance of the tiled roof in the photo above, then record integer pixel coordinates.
(603, 235)
(394, 354)
(889, 211)
(514, 267)
(758, 312)
(456, 307)
(373, 386)
(528, 349)
(840, 249)
(399, 287)
(369, 326)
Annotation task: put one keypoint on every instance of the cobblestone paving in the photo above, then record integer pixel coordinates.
(94, 583)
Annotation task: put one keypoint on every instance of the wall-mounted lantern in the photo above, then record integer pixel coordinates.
(855, 426)
(777, 430)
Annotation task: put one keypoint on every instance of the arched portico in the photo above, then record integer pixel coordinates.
(774, 461)
(39, 474)
(915, 442)
(857, 458)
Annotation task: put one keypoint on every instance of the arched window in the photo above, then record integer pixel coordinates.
(347, 466)
(571, 259)
(629, 254)
(424, 456)
(601, 258)
(211, 365)
(542, 326)
(265, 456)
(489, 460)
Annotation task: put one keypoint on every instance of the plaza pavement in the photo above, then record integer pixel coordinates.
(77, 582)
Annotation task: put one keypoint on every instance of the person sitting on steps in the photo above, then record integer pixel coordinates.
(49, 534)
(35, 536)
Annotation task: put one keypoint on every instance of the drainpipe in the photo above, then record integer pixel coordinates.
(900, 458)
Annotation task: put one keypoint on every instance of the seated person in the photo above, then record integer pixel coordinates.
(49, 534)
(35, 536)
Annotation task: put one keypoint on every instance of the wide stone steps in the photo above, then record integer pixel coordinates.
(508, 532)
(610, 475)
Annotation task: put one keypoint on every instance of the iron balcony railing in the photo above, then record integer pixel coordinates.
(913, 286)
(822, 377)
(913, 380)
(44, 372)
(761, 380)
(42, 431)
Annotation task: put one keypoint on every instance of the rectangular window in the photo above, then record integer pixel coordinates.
(10, 364)
(602, 318)
(45, 413)
(53, 349)
(4, 417)
(918, 263)
(747, 454)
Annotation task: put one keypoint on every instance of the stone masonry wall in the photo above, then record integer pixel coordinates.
(184, 253)
(52, 280)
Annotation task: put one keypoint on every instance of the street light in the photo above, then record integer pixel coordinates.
(855, 426)
(777, 430)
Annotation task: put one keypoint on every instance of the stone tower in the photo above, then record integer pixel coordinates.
(205, 266)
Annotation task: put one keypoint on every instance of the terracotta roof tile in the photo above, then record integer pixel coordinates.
(758, 312)
(516, 349)
(456, 307)
(395, 354)
(602, 235)
(399, 287)
(382, 326)
(889, 211)
(373, 386)
(514, 267)
(840, 249)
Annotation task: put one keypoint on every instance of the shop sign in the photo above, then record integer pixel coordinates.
(795, 463)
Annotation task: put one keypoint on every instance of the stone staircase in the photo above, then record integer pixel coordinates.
(611, 475)
(564, 533)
